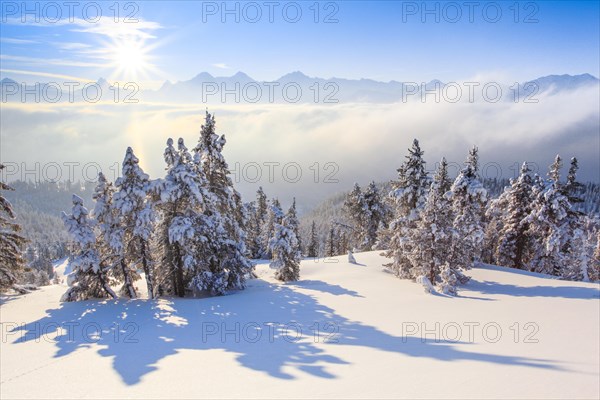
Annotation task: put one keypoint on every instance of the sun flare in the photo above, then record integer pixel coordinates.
(130, 58)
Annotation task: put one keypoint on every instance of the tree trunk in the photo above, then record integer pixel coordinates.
(128, 284)
(432, 274)
(179, 288)
(106, 286)
(147, 272)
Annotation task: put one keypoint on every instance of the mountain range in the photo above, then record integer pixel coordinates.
(297, 87)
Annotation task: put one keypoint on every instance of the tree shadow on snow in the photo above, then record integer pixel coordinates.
(324, 287)
(270, 328)
(566, 292)
(5, 298)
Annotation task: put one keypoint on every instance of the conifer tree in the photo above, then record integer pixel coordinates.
(109, 237)
(331, 242)
(286, 256)
(374, 215)
(573, 188)
(184, 230)
(383, 237)
(495, 215)
(408, 196)
(343, 244)
(274, 217)
(88, 279)
(313, 244)
(11, 242)
(549, 224)
(578, 258)
(294, 223)
(575, 247)
(259, 225)
(595, 262)
(136, 218)
(432, 236)
(252, 230)
(514, 239)
(354, 209)
(227, 212)
(469, 200)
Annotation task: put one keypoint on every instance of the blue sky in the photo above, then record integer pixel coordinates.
(377, 40)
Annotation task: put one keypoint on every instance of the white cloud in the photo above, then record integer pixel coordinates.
(17, 41)
(71, 45)
(45, 74)
(40, 62)
(221, 66)
(106, 26)
(365, 141)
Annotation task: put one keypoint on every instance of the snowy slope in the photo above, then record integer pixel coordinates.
(62, 268)
(509, 335)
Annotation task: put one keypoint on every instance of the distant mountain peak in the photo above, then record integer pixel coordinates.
(166, 84)
(242, 75)
(202, 76)
(294, 75)
(358, 90)
(567, 77)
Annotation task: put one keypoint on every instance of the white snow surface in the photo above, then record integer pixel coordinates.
(509, 334)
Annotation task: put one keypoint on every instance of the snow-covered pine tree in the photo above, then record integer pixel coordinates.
(432, 235)
(374, 215)
(135, 213)
(294, 223)
(473, 159)
(183, 229)
(594, 267)
(549, 224)
(109, 237)
(242, 218)
(469, 200)
(286, 256)
(578, 256)
(274, 217)
(514, 240)
(331, 242)
(535, 250)
(38, 258)
(312, 249)
(383, 237)
(575, 245)
(354, 210)
(259, 224)
(231, 248)
(46, 260)
(408, 196)
(30, 255)
(413, 196)
(573, 188)
(88, 279)
(495, 215)
(252, 230)
(343, 244)
(11, 242)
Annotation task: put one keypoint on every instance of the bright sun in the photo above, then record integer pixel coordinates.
(130, 58)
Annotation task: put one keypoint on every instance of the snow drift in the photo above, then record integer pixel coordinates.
(343, 331)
